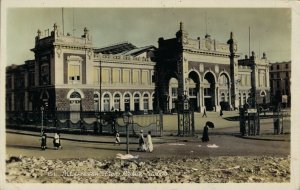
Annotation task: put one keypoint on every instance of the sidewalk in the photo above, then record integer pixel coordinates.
(169, 136)
(96, 138)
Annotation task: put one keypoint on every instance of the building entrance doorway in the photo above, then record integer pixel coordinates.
(209, 91)
(75, 104)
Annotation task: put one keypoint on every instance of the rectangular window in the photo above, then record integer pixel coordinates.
(248, 83)
(145, 77)
(278, 84)
(105, 75)
(136, 76)
(206, 92)
(192, 92)
(96, 74)
(262, 79)
(117, 104)
(74, 73)
(243, 80)
(286, 66)
(174, 92)
(152, 77)
(126, 76)
(278, 67)
(116, 75)
(278, 75)
(146, 104)
(287, 74)
(31, 78)
(45, 74)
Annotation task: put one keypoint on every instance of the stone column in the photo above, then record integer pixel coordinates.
(131, 103)
(202, 98)
(122, 108)
(217, 105)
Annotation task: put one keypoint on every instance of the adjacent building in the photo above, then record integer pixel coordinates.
(70, 74)
(280, 81)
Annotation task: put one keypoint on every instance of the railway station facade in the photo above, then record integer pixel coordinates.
(70, 74)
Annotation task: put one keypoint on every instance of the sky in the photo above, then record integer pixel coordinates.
(270, 28)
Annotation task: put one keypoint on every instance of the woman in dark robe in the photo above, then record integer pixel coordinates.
(44, 141)
(205, 137)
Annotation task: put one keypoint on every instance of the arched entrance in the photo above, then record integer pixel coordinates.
(224, 88)
(209, 91)
(193, 86)
(75, 103)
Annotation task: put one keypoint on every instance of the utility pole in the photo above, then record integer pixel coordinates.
(100, 96)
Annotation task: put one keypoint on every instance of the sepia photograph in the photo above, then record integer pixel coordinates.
(160, 96)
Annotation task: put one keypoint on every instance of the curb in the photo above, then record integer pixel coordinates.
(262, 139)
(78, 140)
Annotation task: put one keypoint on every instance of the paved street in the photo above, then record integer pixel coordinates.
(224, 141)
(222, 145)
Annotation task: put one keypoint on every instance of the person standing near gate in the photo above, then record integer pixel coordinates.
(141, 142)
(44, 141)
(204, 113)
(221, 112)
(205, 137)
(118, 140)
(56, 141)
(149, 142)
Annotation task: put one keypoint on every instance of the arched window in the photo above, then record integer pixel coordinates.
(136, 102)
(127, 102)
(117, 102)
(106, 102)
(96, 102)
(146, 102)
(222, 97)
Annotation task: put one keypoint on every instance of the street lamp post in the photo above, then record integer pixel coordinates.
(127, 118)
(100, 95)
(42, 112)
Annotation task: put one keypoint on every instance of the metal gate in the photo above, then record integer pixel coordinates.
(186, 118)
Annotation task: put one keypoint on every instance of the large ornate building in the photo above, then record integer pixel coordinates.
(70, 74)
(208, 73)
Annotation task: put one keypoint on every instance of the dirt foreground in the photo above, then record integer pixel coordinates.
(205, 170)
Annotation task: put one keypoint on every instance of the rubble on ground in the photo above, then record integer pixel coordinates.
(234, 169)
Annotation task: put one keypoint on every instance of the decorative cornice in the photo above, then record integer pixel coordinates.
(210, 53)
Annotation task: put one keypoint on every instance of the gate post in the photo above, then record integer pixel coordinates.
(161, 122)
(193, 123)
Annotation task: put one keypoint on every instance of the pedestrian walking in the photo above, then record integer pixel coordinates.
(141, 142)
(221, 113)
(204, 113)
(118, 140)
(44, 141)
(205, 137)
(56, 141)
(149, 142)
